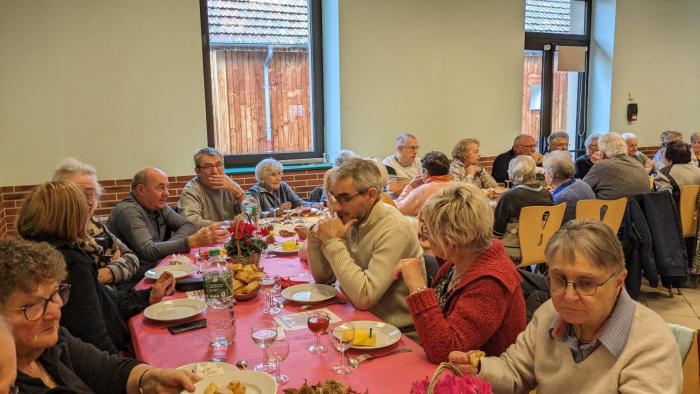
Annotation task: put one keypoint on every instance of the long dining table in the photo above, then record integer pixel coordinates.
(154, 344)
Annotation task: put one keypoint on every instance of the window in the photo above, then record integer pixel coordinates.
(263, 78)
(553, 27)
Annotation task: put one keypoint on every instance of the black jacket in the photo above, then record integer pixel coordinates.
(637, 246)
(499, 172)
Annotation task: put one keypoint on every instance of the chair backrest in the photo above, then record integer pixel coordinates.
(609, 212)
(687, 341)
(688, 211)
(536, 226)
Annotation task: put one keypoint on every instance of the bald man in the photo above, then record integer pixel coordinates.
(8, 358)
(146, 223)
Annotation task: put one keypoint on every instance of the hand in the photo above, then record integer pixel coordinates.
(223, 181)
(157, 380)
(116, 255)
(332, 228)
(302, 232)
(461, 360)
(537, 157)
(417, 181)
(285, 206)
(105, 275)
(596, 157)
(396, 186)
(411, 272)
(165, 285)
(473, 170)
(649, 166)
(210, 235)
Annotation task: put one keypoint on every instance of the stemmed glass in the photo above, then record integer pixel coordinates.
(278, 352)
(269, 286)
(317, 322)
(342, 336)
(264, 333)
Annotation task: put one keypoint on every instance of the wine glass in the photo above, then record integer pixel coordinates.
(269, 286)
(317, 322)
(342, 336)
(264, 333)
(225, 225)
(278, 352)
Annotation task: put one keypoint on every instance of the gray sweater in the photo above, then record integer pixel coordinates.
(202, 205)
(683, 174)
(617, 177)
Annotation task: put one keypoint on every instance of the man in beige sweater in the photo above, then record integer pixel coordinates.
(360, 248)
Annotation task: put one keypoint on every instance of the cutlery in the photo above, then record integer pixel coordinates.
(242, 364)
(356, 361)
(313, 306)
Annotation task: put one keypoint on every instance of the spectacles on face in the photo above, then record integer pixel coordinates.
(534, 146)
(411, 148)
(36, 310)
(209, 167)
(582, 286)
(343, 198)
(424, 230)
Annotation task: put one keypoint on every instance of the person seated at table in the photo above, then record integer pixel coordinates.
(47, 355)
(527, 191)
(274, 195)
(115, 262)
(8, 359)
(559, 175)
(149, 227)
(524, 144)
(632, 143)
(584, 163)
(435, 177)
(57, 213)
(665, 138)
(404, 164)
(678, 169)
(617, 174)
(361, 247)
(211, 196)
(558, 140)
(591, 337)
(475, 301)
(695, 144)
(465, 164)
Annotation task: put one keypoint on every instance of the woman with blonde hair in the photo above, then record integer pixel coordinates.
(465, 164)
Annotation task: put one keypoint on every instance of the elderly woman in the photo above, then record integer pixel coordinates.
(435, 178)
(558, 140)
(527, 191)
(591, 336)
(632, 143)
(465, 167)
(695, 144)
(475, 301)
(559, 175)
(48, 356)
(584, 163)
(274, 196)
(617, 174)
(57, 212)
(665, 138)
(115, 262)
(678, 170)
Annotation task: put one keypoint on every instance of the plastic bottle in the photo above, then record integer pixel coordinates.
(251, 207)
(218, 290)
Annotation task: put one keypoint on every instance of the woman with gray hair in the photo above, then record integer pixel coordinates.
(273, 195)
(527, 191)
(465, 164)
(559, 175)
(617, 174)
(115, 262)
(665, 138)
(584, 163)
(632, 149)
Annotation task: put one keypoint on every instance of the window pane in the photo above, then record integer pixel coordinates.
(555, 16)
(532, 93)
(261, 90)
(564, 100)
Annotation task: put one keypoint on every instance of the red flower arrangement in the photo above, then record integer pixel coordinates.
(451, 384)
(248, 237)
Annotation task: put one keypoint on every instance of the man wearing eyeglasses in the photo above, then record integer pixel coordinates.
(211, 196)
(362, 245)
(404, 165)
(524, 144)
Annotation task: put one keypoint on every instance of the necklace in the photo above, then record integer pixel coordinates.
(454, 281)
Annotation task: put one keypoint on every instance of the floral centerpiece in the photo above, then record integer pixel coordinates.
(451, 383)
(247, 241)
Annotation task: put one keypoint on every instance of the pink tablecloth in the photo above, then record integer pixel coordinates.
(394, 374)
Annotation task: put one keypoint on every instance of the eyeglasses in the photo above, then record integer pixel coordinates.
(582, 286)
(528, 146)
(36, 310)
(343, 198)
(209, 167)
(412, 148)
(424, 230)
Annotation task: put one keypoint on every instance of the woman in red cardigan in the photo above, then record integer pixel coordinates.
(475, 301)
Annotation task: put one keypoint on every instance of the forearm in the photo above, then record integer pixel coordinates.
(320, 269)
(153, 251)
(487, 180)
(132, 384)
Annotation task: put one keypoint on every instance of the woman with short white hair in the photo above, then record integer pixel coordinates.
(527, 191)
(559, 175)
(584, 163)
(273, 195)
(465, 164)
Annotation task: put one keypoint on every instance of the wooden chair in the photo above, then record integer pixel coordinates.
(536, 226)
(609, 212)
(689, 217)
(651, 183)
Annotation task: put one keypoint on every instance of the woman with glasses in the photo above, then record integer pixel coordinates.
(591, 337)
(57, 213)
(475, 300)
(48, 357)
(274, 196)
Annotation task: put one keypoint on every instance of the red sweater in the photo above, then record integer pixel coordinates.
(486, 310)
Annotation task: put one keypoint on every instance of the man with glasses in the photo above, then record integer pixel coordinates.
(211, 196)
(362, 245)
(523, 144)
(404, 165)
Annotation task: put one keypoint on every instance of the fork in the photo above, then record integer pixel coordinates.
(312, 306)
(356, 361)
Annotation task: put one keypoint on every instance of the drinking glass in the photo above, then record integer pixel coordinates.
(317, 322)
(264, 333)
(269, 286)
(278, 352)
(225, 226)
(342, 336)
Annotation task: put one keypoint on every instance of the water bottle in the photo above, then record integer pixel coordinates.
(250, 207)
(218, 292)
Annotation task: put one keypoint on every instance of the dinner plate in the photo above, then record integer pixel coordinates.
(277, 248)
(178, 271)
(387, 334)
(173, 310)
(255, 382)
(207, 369)
(309, 293)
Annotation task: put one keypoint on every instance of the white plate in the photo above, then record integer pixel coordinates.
(277, 249)
(178, 271)
(173, 310)
(309, 293)
(222, 367)
(387, 334)
(255, 382)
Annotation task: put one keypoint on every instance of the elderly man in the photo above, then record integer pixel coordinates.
(404, 165)
(559, 175)
(632, 145)
(523, 144)
(144, 221)
(558, 140)
(617, 174)
(211, 196)
(361, 247)
(584, 163)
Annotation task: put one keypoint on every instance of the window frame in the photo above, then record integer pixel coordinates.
(316, 89)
